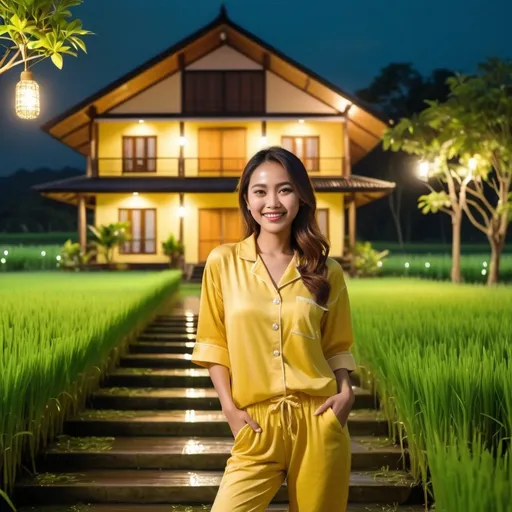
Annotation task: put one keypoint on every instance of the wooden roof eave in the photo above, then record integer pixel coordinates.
(71, 127)
(70, 198)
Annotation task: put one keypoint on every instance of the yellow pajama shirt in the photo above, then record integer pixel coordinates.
(281, 349)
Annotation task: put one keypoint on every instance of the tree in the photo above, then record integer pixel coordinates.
(38, 29)
(466, 143)
(479, 115)
(400, 91)
(416, 136)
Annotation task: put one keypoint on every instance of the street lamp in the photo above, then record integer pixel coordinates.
(27, 96)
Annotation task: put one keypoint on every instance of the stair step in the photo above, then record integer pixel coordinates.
(157, 361)
(159, 487)
(194, 376)
(173, 323)
(171, 329)
(154, 377)
(353, 507)
(166, 337)
(193, 453)
(162, 347)
(179, 398)
(105, 422)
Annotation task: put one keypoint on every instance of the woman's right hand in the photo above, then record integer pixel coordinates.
(237, 418)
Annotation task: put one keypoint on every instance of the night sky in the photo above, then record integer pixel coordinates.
(347, 42)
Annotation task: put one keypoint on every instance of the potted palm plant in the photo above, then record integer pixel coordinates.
(109, 236)
(174, 250)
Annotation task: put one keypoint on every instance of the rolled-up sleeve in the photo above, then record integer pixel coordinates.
(211, 346)
(337, 333)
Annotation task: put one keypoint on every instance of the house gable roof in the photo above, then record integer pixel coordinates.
(365, 125)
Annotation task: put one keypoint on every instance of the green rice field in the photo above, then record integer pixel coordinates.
(440, 357)
(435, 265)
(438, 354)
(57, 332)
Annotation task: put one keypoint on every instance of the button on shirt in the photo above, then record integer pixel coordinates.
(274, 341)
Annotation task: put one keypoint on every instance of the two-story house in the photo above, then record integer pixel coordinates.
(166, 143)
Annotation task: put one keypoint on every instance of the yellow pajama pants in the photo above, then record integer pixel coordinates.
(311, 452)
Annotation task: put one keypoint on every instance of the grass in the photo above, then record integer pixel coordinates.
(440, 357)
(432, 248)
(474, 267)
(57, 333)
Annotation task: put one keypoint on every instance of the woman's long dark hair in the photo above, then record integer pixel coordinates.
(312, 247)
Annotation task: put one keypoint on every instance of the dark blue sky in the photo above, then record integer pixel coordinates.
(347, 42)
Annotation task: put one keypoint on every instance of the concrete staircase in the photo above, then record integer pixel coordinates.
(154, 436)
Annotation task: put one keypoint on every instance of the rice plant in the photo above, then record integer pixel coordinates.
(57, 332)
(440, 357)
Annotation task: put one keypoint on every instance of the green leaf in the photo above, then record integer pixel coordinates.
(34, 45)
(78, 42)
(6, 498)
(57, 60)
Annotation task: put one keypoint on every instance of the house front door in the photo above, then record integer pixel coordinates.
(218, 226)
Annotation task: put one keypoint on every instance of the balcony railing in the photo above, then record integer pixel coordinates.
(214, 166)
(166, 166)
(170, 166)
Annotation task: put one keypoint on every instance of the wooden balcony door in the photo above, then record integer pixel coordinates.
(222, 151)
(139, 154)
(218, 226)
(306, 148)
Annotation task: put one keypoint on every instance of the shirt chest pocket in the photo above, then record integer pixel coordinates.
(307, 317)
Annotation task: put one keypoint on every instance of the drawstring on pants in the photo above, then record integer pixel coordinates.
(288, 402)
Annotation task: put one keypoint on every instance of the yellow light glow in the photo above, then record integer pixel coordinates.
(141, 121)
(472, 164)
(27, 97)
(135, 194)
(181, 211)
(301, 121)
(182, 141)
(263, 141)
(423, 169)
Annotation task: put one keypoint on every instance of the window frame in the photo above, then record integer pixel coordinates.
(315, 159)
(134, 158)
(142, 241)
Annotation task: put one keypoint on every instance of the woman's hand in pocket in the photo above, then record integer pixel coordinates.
(341, 404)
(237, 418)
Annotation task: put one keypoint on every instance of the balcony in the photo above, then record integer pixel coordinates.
(204, 167)
(166, 166)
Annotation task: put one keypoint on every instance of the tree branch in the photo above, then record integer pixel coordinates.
(4, 58)
(475, 223)
(480, 195)
(477, 207)
(9, 66)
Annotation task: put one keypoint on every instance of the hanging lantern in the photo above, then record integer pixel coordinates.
(27, 96)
